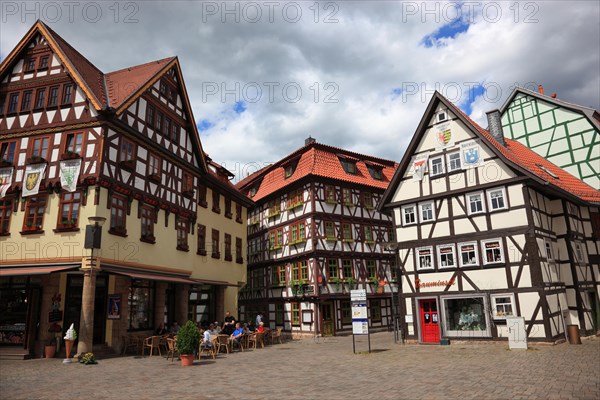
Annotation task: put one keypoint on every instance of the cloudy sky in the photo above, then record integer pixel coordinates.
(263, 76)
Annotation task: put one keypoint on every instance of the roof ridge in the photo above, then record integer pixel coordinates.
(141, 65)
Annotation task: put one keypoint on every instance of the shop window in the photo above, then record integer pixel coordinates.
(475, 203)
(409, 216)
(147, 218)
(330, 230)
(201, 240)
(375, 310)
(454, 162)
(446, 257)
(346, 312)
(215, 244)
(69, 210)
(182, 226)
(118, 211)
(295, 314)
(424, 258)
(465, 317)
(228, 255)
(426, 212)
(6, 206)
(141, 305)
(436, 165)
(468, 254)
(492, 251)
(497, 199)
(333, 268)
(239, 256)
(14, 304)
(502, 305)
(279, 314)
(34, 213)
(330, 194)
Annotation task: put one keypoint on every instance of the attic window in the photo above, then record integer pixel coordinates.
(348, 165)
(546, 170)
(289, 168)
(441, 116)
(253, 191)
(375, 172)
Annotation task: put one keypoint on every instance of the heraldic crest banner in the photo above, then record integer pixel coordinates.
(33, 177)
(419, 165)
(5, 180)
(470, 154)
(444, 136)
(69, 174)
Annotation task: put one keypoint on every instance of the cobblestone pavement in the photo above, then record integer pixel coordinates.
(324, 369)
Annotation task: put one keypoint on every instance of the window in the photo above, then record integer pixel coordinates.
(375, 310)
(147, 219)
(492, 251)
(347, 269)
(368, 234)
(347, 232)
(163, 88)
(346, 313)
(2, 102)
(496, 198)
(297, 233)
(274, 207)
(43, 62)
(228, 213)
(347, 197)
(118, 210)
(216, 200)
(468, 254)
(202, 196)
(279, 314)
(228, 256)
(127, 153)
(348, 165)
(475, 203)
(409, 216)
(67, 94)
(375, 172)
(367, 200)
(465, 316)
(238, 213)
(141, 305)
(153, 167)
(371, 269)
(159, 122)
(187, 187)
(446, 257)
(215, 244)
(34, 213)
(303, 267)
(12, 103)
(454, 162)
(174, 132)
(26, 101)
(5, 213)
(239, 256)
(289, 170)
(69, 209)
(40, 147)
(74, 142)
(441, 116)
(502, 305)
(436, 165)
(278, 278)
(201, 240)
(40, 96)
(424, 258)
(391, 234)
(296, 198)
(333, 268)
(295, 314)
(330, 230)
(329, 194)
(53, 97)
(30, 64)
(182, 227)
(549, 252)
(150, 115)
(426, 211)
(7, 151)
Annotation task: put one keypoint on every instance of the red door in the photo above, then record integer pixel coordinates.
(430, 328)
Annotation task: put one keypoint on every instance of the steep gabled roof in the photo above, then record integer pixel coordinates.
(514, 154)
(591, 114)
(315, 159)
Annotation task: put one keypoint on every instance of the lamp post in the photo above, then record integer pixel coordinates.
(90, 266)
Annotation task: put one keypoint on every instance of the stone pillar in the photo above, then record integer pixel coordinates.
(182, 295)
(86, 324)
(159, 303)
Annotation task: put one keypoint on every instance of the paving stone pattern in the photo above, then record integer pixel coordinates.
(323, 368)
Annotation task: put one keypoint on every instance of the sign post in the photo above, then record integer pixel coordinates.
(360, 319)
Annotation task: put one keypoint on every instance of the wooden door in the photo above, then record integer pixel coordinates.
(327, 320)
(430, 328)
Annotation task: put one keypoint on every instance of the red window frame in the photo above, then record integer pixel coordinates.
(238, 213)
(6, 206)
(118, 214)
(53, 96)
(201, 241)
(8, 152)
(67, 95)
(40, 98)
(183, 227)
(74, 143)
(36, 147)
(30, 64)
(33, 220)
(126, 150)
(43, 62)
(147, 219)
(26, 101)
(13, 102)
(154, 164)
(69, 210)
(228, 213)
(216, 199)
(188, 182)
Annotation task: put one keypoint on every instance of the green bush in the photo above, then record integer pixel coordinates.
(188, 338)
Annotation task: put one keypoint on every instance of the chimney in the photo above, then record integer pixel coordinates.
(310, 140)
(495, 126)
(541, 89)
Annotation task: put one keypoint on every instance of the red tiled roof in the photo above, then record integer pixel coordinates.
(531, 162)
(318, 160)
(123, 83)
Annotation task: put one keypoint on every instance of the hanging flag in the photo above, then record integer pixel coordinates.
(33, 177)
(470, 154)
(444, 136)
(69, 174)
(419, 165)
(5, 180)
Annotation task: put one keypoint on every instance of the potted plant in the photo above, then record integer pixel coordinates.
(88, 359)
(70, 155)
(351, 283)
(334, 280)
(5, 163)
(188, 340)
(50, 348)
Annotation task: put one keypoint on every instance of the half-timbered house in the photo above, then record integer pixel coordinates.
(313, 235)
(76, 143)
(488, 229)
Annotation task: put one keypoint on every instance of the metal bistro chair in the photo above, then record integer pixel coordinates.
(152, 342)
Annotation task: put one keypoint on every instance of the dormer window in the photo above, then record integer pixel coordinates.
(253, 191)
(289, 170)
(375, 172)
(348, 165)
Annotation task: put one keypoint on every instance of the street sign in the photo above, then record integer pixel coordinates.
(358, 295)
(359, 311)
(360, 327)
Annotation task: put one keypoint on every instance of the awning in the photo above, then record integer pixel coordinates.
(158, 277)
(34, 270)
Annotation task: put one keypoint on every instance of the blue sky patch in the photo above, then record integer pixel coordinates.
(204, 125)
(239, 107)
(448, 31)
(470, 97)
(396, 92)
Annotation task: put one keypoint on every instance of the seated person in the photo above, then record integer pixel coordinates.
(237, 333)
(175, 328)
(261, 327)
(207, 337)
(161, 330)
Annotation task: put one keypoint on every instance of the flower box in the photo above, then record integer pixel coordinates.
(128, 165)
(69, 155)
(36, 160)
(154, 178)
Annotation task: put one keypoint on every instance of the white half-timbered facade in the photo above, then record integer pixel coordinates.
(487, 229)
(314, 234)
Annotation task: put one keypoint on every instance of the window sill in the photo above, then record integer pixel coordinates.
(4, 233)
(188, 193)
(331, 239)
(295, 205)
(32, 232)
(154, 178)
(128, 165)
(216, 210)
(118, 232)
(228, 215)
(216, 255)
(66, 229)
(203, 203)
(239, 260)
(148, 239)
(348, 240)
(201, 252)
(330, 202)
(36, 160)
(238, 220)
(183, 248)
(228, 258)
(69, 156)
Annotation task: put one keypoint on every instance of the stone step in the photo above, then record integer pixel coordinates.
(14, 353)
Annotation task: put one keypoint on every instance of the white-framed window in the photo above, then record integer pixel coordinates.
(424, 257)
(503, 305)
(492, 250)
(446, 256)
(497, 199)
(426, 212)
(475, 204)
(468, 254)
(549, 252)
(409, 215)
(453, 161)
(436, 165)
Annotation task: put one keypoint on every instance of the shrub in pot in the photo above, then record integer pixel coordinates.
(188, 340)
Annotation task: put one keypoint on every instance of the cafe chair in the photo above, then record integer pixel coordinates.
(152, 342)
(223, 343)
(258, 337)
(171, 348)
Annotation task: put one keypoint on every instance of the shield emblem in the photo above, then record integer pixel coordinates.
(471, 156)
(444, 137)
(32, 179)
